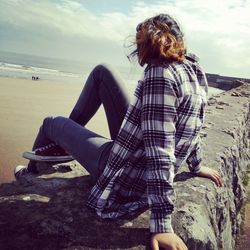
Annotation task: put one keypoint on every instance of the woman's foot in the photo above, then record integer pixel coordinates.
(49, 153)
(210, 174)
(21, 171)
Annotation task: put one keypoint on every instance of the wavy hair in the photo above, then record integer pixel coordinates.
(159, 39)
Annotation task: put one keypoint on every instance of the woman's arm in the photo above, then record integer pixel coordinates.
(158, 125)
(159, 104)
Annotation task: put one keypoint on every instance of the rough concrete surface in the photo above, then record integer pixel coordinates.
(243, 241)
(48, 211)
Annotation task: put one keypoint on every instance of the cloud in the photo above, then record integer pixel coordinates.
(218, 31)
(70, 18)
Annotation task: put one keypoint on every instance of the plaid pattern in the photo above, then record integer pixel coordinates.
(159, 132)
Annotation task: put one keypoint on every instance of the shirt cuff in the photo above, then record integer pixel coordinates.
(195, 168)
(194, 162)
(160, 223)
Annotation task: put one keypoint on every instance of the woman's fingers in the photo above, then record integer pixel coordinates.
(218, 180)
(167, 241)
(211, 174)
(221, 182)
(182, 247)
(155, 245)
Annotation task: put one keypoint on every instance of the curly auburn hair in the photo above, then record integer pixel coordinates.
(159, 39)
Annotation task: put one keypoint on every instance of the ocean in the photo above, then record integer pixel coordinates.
(25, 66)
(16, 65)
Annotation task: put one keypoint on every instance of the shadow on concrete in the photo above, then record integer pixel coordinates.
(183, 176)
(51, 214)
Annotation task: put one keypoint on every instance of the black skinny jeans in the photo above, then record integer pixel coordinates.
(91, 150)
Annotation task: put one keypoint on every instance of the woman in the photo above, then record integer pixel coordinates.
(150, 138)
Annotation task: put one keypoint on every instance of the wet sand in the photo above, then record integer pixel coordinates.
(23, 106)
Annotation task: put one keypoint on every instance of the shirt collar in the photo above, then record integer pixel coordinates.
(192, 57)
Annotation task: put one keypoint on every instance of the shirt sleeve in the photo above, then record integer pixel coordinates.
(158, 128)
(194, 159)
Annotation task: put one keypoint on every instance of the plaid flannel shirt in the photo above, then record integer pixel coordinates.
(159, 132)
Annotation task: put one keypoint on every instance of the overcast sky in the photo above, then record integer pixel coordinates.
(218, 31)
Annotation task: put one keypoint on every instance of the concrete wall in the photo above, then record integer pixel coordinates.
(225, 82)
(48, 212)
(210, 216)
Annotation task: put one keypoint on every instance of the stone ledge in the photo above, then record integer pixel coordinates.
(48, 211)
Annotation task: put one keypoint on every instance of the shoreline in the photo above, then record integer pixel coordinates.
(61, 79)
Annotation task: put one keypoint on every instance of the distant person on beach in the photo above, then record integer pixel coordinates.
(35, 78)
(151, 136)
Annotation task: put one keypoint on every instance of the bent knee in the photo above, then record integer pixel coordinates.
(51, 120)
(103, 68)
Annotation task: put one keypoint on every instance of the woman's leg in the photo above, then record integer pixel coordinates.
(103, 86)
(87, 147)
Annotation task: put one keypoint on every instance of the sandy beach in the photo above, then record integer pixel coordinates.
(23, 106)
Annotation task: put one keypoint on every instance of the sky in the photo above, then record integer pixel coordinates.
(96, 31)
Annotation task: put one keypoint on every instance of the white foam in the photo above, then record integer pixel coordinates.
(38, 71)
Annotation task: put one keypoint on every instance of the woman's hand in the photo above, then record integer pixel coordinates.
(167, 241)
(210, 174)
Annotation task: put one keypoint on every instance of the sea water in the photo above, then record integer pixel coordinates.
(16, 65)
(24, 66)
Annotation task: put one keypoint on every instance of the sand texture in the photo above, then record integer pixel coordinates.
(23, 106)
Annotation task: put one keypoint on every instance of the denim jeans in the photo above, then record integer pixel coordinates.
(103, 86)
